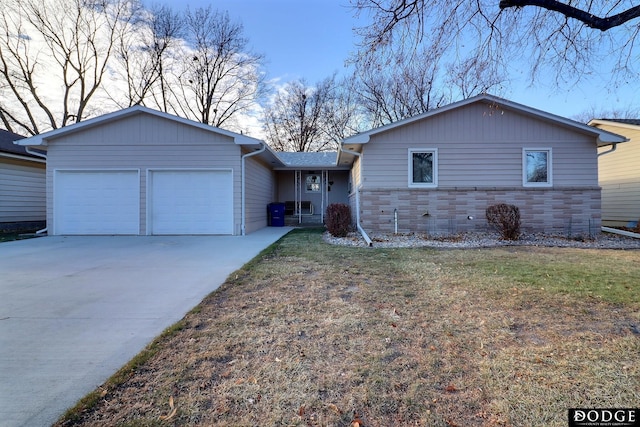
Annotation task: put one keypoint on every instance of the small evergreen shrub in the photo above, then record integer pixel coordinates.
(506, 219)
(338, 219)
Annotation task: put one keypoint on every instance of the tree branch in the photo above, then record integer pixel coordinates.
(602, 24)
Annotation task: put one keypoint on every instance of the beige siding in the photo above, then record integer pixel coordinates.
(144, 142)
(22, 191)
(479, 146)
(260, 189)
(620, 178)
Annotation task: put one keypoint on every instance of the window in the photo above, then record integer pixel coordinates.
(423, 168)
(312, 184)
(536, 167)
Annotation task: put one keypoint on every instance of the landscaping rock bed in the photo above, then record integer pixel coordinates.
(484, 240)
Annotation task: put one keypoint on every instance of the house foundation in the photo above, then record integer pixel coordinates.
(570, 211)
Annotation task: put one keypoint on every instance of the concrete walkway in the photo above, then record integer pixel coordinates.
(73, 310)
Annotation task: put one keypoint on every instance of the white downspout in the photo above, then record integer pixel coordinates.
(44, 156)
(261, 150)
(614, 146)
(364, 234)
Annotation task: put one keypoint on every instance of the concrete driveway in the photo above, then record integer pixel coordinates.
(73, 310)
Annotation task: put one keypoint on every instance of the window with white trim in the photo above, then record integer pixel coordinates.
(536, 167)
(313, 183)
(423, 168)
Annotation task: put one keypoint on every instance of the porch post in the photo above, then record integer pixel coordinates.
(298, 195)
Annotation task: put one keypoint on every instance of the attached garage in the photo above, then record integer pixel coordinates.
(190, 201)
(139, 171)
(96, 202)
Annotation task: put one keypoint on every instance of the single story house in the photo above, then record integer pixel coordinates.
(141, 171)
(22, 186)
(439, 171)
(620, 174)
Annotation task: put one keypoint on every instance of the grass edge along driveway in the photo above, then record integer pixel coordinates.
(311, 334)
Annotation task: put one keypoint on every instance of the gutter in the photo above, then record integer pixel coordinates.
(20, 157)
(44, 156)
(364, 234)
(35, 153)
(254, 153)
(614, 146)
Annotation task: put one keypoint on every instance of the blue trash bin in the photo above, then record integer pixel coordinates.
(275, 214)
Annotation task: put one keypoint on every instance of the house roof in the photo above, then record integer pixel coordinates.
(42, 139)
(633, 124)
(325, 159)
(9, 149)
(603, 137)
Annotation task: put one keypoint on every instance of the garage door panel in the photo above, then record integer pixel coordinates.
(191, 202)
(97, 202)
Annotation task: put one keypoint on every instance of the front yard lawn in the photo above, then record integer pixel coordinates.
(309, 334)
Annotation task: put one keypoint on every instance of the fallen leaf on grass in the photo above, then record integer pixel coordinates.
(172, 413)
(334, 408)
(451, 388)
(357, 422)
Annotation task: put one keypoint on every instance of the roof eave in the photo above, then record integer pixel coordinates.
(22, 157)
(41, 140)
(603, 137)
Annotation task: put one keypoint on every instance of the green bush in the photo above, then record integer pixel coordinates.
(506, 219)
(338, 219)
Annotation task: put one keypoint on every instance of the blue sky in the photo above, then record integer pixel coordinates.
(311, 39)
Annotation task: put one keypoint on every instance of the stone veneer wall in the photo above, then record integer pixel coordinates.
(571, 211)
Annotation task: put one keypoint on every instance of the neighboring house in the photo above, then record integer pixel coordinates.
(439, 171)
(620, 174)
(140, 171)
(22, 186)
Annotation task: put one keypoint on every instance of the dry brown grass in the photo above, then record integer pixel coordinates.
(316, 335)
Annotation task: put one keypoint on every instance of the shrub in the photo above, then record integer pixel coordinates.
(506, 219)
(338, 219)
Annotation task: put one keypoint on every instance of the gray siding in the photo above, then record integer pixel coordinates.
(144, 142)
(479, 145)
(480, 163)
(260, 191)
(22, 191)
(570, 211)
(620, 178)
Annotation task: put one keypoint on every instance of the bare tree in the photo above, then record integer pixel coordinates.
(220, 77)
(344, 114)
(618, 113)
(394, 90)
(395, 87)
(570, 38)
(300, 116)
(54, 57)
(145, 53)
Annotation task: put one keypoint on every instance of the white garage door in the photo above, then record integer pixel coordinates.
(96, 202)
(191, 202)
